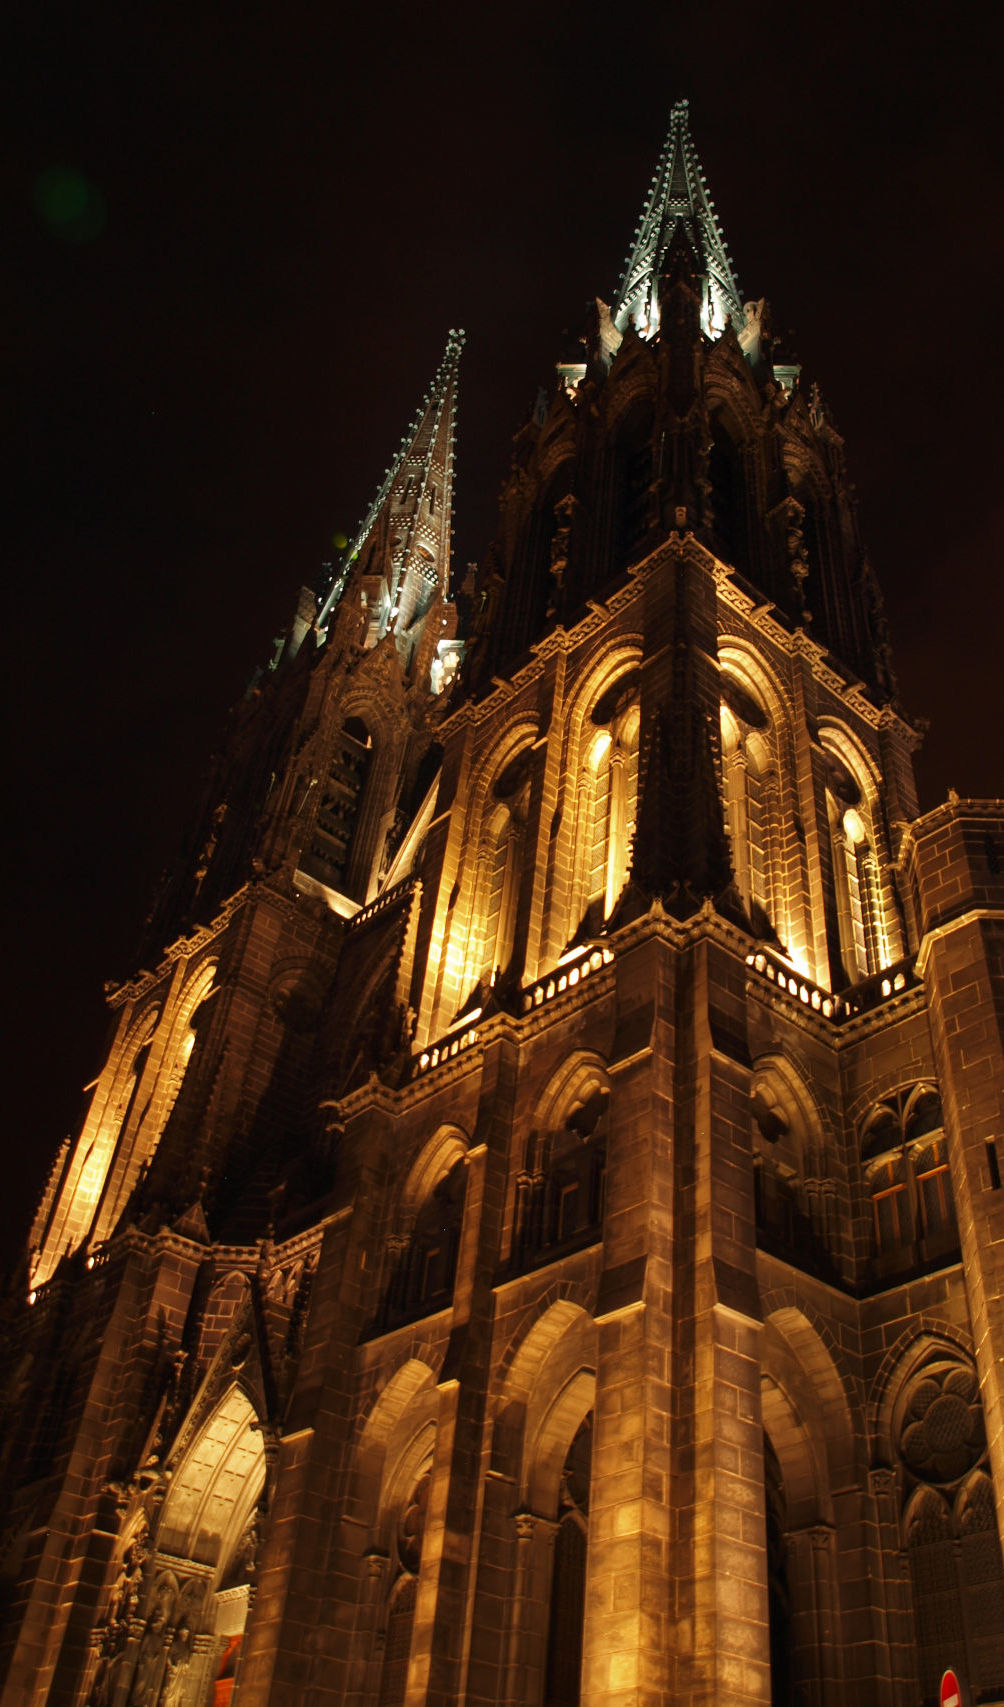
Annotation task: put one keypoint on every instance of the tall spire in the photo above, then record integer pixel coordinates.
(413, 507)
(679, 195)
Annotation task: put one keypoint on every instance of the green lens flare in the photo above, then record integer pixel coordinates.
(69, 205)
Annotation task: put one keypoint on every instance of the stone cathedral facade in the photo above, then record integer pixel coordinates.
(537, 1234)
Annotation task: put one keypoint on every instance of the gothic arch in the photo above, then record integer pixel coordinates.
(802, 1200)
(423, 1243)
(758, 793)
(387, 1487)
(111, 1112)
(923, 1342)
(808, 1348)
(206, 1542)
(558, 1192)
(576, 1079)
(411, 1377)
(215, 1484)
(448, 1145)
(631, 382)
(864, 918)
(497, 831)
(547, 1360)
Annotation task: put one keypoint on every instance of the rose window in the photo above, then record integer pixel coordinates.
(943, 1434)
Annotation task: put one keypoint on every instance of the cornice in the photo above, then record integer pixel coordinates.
(973, 916)
(187, 947)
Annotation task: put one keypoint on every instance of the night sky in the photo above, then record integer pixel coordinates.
(236, 238)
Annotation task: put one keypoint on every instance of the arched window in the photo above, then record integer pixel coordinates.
(905, 1156)
(500, 866)
(568, 1581)
(750, 790)
(401, 1617)
(857, 922)
(561, 1191)
(424, 1267)
(792, 1194)
(341, 794)
(950, 1529)
(607, 801)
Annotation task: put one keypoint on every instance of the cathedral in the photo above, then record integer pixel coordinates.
(537, 1238)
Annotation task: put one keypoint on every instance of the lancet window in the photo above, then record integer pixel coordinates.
(607, 801)
(561, 1192)
(342, 792)
(568, 1580)
(500, 863)
(632, 484)
(859, 913)
(905, 1158)
(401, 1615)
(751, 799)
(424, 1264)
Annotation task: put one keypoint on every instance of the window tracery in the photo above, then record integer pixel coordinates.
(860, 926)
(561, 1191)
(341, 795)
(424, 1262)
(607, 801)
(500, 865)
(905, 1157)
(752, 803)
(949, 1526)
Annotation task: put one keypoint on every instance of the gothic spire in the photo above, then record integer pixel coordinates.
(412, 512)
(678, 196)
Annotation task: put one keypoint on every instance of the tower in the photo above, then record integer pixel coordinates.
(533, 1239)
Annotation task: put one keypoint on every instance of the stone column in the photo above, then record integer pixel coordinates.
(526, 1637)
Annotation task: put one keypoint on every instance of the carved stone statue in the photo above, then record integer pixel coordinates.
(179, 1655)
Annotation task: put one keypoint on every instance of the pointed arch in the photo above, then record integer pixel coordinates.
(600, 804)
(560, 1188)
(484, 937)
(759, 800)
(863, 923)
(423, 1244)
(216, 1484)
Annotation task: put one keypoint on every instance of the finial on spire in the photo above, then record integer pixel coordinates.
(678, 196)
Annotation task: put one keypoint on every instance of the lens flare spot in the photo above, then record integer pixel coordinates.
(68, 204)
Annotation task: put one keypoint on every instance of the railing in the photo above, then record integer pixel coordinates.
(564, 978)
(860, 998)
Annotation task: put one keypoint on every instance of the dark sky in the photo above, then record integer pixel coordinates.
(236, 237)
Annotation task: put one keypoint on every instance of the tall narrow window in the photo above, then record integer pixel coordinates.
(608, 801)
(500, 869)
(568, 1582)
(905, 1153)
(401, 1617)
(424, 1268)
(950, 1530)
(337, 812)
(750, 798)
(860, 925)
